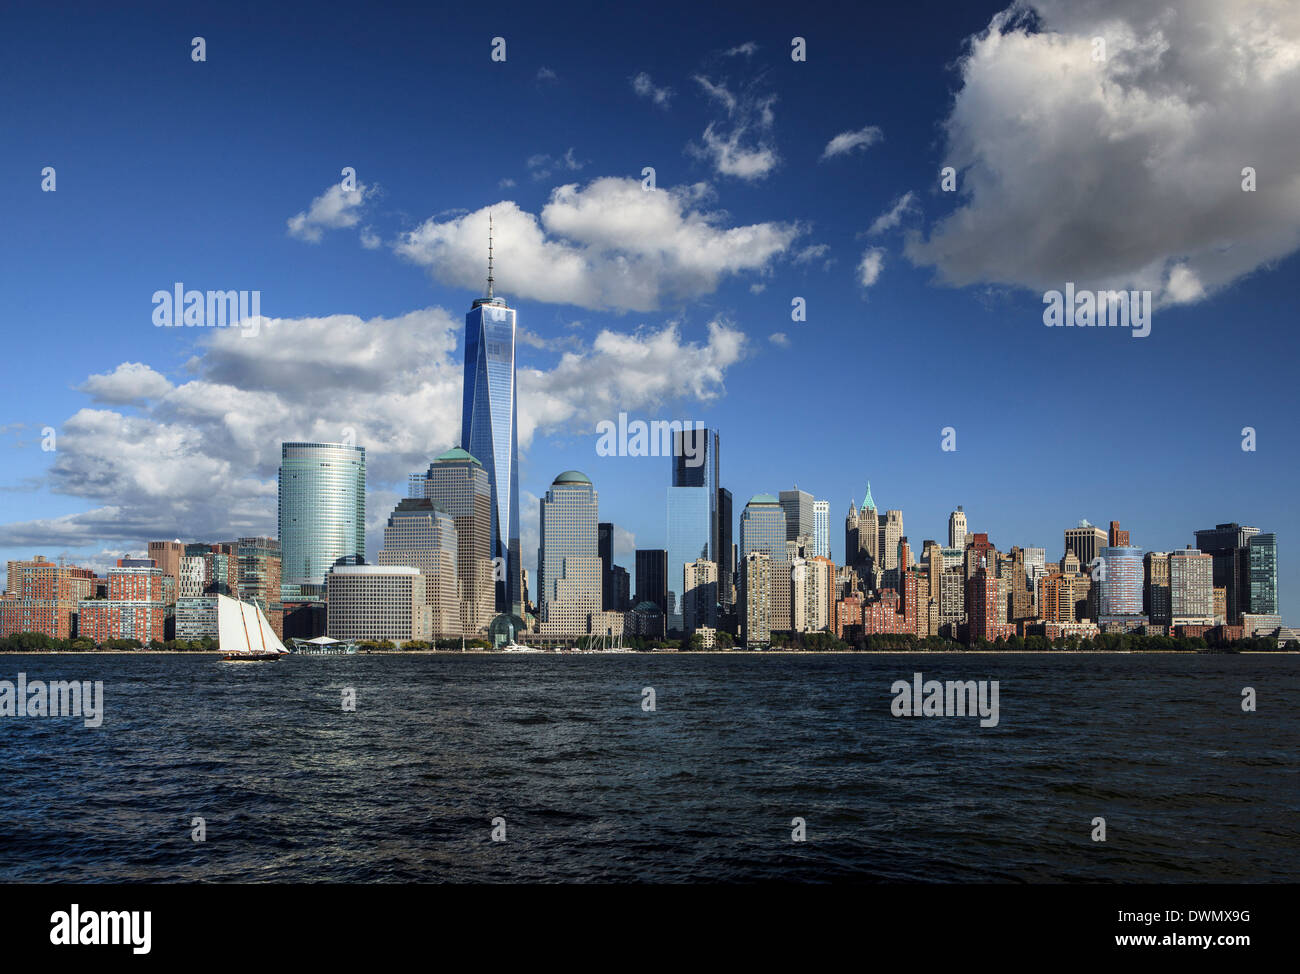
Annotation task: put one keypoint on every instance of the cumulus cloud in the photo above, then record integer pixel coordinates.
(893, 216)
(198, 458)
(130, 383)
(1124, 172)
(869, 268)
(847, 142)
(336, 208)
(646, 88)
(748, 49)
(608, 245)
(779, 338)
(741, 145)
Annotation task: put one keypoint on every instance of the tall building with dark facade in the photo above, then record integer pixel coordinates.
(693, 516)
(489, 428)
(1263, 574)
(652, 577)
(798, 507)
(1086, 541)
(726, 552)
(1228, 544)
(610, 599)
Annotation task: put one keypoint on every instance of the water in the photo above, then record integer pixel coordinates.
(593, 788)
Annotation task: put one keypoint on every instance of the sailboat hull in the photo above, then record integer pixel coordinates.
(250, 657)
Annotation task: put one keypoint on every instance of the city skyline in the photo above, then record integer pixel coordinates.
(163, 432)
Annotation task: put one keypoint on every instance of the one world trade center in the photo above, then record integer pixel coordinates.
(490, 429)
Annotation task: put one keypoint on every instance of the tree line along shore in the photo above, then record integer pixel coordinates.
(817, 642)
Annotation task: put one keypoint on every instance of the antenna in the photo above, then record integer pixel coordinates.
(489, 294)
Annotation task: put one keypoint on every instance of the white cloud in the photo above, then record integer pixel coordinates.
(545, 74)
(607, 245)
(846, 142)
(1125, 172)
(810, 253)
(779, 338)
(749, 48)
(893, 216)
(130, 383)
(742, 145)
(869, 268)
(334, 209)
(646, 88)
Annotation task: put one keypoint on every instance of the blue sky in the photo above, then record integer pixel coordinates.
(677, 304)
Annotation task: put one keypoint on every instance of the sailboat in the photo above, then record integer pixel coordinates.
(245, 635)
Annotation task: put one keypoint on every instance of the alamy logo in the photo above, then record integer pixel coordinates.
(658, 438)
(208, 309)
(103, 927)
(1093, 309)
(57, 698)
(956, 698)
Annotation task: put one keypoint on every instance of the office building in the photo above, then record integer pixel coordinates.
(1263, 574)
(568, 558)
(322, 512)
(693, 514)
(421, 535)
(490, 429)
(1086, 542)
(822, 529)
(700, 595)
(377, 602)
(1191, 588)
(259, 577)
(457, 483)
(652, 577)
(957, 529)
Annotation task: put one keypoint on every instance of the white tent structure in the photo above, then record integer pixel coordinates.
(242, 629)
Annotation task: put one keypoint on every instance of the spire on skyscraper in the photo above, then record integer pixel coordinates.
(489, 293)
(867, 503)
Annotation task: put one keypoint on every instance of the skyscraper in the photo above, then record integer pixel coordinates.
(821, 529)
(891, 532)
(419, 534)
(652, 577)
(1120, 585)
(457, 483)
(1086, 541)
(1263, 574)
(726, 552)
(798, 507)
(605, 549)
(700, 595)
(762, 528)
(957, 528)
(490, 428)
(568, 559)
(1228, 545)
(1191, 587)
(322, 510)
(693, 501)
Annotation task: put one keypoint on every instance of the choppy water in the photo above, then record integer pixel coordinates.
(593, 788)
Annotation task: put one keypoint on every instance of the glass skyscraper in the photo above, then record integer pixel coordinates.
(693, 521)
(762, 528)
(490, 428)
(322, 510)
(1263, 574)
(1119, 588)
